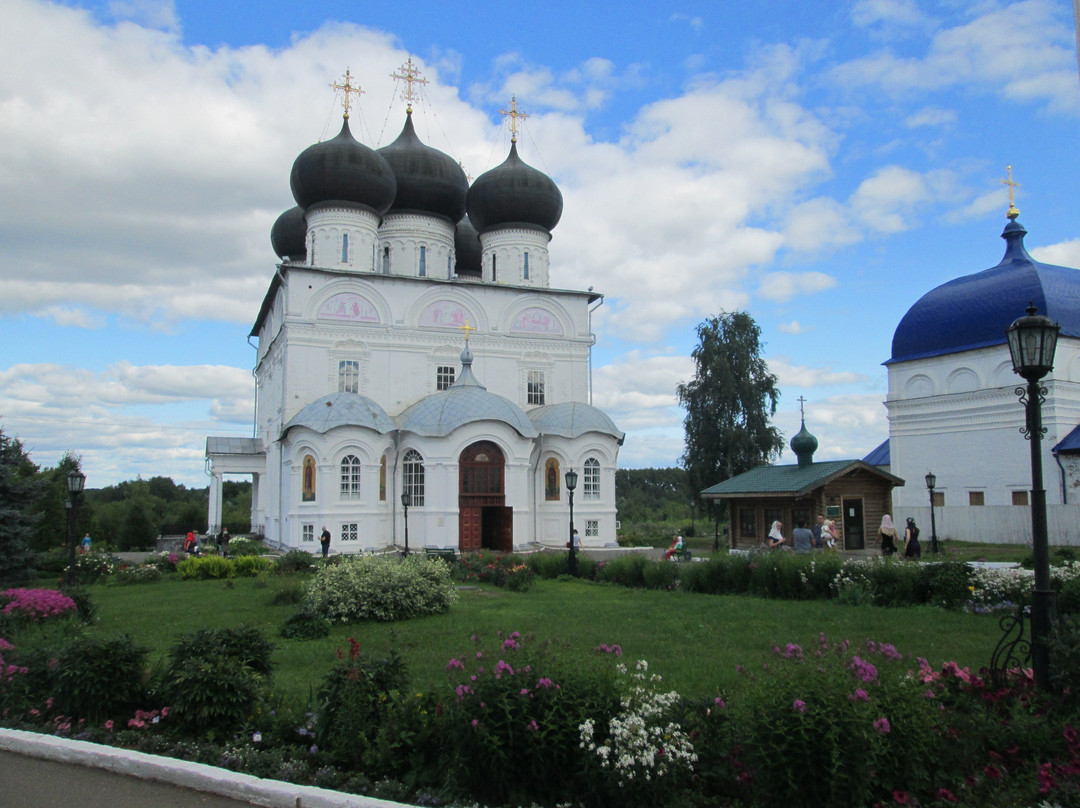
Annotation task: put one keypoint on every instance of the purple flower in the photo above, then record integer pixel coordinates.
(455, 664)
(502, 668)
(863, 669)
(882, 725)
(860, 695)
(793, 651)
(798, 706)
(544, 682)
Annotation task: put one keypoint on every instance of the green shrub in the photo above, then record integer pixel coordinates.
(305, 626)
(296, 561)
(204, 567)
(288, 593)
(624, 570)
(1068, 598)
(245, 546)
(659, 574)
(548, 565)
(98, 678)
(215, 679)
(945, 583)
(136, 574)
(1064, 643)
(248, 566)
(353, 702)
(381, 588)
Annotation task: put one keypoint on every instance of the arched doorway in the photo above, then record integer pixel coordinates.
(484, 521)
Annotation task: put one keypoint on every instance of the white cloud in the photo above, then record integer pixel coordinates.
(794, 327)
(892, 12)
(791, 375)
(885, 201)
(847, 427)
(783, 286)
(1064, 253)
(930, 116)
(695, 22)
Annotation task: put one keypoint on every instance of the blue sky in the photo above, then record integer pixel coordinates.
(818, 164)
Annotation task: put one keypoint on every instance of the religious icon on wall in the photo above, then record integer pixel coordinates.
(551, 480)
(308, 494)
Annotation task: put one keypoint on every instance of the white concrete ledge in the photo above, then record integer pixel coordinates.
(184, 774)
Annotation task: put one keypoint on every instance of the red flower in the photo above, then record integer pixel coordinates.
(945, 794)
(993, 772)
(901, 797)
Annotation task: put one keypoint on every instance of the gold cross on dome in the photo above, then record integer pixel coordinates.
(466, 328)
(1013, 211)
(347, 88)
(410, 74)
(513, 114)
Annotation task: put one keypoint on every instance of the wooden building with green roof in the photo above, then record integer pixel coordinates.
(853, 493)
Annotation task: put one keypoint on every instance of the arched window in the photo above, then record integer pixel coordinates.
(590, 486)
(526, 265)
(423, 262)
(344, 248)
(412, 477)
(350, 477)
(386, 261)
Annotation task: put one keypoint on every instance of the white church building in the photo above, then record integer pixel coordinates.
(953, 408)
(410, 343)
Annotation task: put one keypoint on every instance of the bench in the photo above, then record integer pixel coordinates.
(447, 555)
(681, 555)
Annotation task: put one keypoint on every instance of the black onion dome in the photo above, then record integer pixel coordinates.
(428, 181)
(343, 170)
(467, 250)
(804, 445)
(289, 235)
(514, 193)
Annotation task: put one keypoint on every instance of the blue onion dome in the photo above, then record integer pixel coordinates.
(428, 181)
(343, 170)
(973, 311)
(514, 193)
(467, 250)
(289, 235)
(804, 445)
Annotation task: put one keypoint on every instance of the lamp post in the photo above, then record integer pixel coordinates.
(1032, 341)
(693, 528)
(75, 482)
(406, 501)
(931, 482)
(571, 484)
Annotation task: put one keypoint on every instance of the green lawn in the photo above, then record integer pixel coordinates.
(694, 641)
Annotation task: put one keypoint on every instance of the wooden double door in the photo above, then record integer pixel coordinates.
(484, 521)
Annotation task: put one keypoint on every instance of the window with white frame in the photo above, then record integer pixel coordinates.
(592, 527)
(344, 248)
(349, 376)
(526, 265)
(307, 533)
(423, 262)
(350, 477)
(590, 486)
(444, 377)
(349, 531)
(534, 387)
(412, 477)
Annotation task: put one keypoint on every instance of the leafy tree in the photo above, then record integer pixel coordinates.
(19, 491)
(52, 525)
(728, 402)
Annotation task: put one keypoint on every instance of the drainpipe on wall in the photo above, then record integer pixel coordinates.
(391, 485)
(594, 308)
(1064, 487)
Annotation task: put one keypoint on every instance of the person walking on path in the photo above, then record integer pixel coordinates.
(887, 536)
(912, 548)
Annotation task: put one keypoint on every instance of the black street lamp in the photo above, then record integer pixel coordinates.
(571, 484)
(406, 501)
(1032, 342)
(931, 482)
(75, 482)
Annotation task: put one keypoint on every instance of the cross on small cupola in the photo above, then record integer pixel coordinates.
(410, 74)
(347, 88)
(1013, 211)
(513, 113)
(804, 444)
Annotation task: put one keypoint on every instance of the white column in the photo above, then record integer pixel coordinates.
(257, 517)
(213, 518)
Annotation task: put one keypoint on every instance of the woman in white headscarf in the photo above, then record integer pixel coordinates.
(776, 535)
(887, 536)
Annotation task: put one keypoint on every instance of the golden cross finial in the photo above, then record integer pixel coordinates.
(410, 74)
(347, 88)
(514, 114)
(466, 328)
(1013, 211)
(468, 176)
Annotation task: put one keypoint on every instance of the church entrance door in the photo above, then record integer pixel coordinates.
(484, 521)
(854, 536)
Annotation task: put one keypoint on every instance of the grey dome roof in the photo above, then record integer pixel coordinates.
(343, 170)
(804, 444)
(514, 193)
(572, 419)
(289, 235)
(341, 409)
(464, 402)
(428, 181)
(467, 250)
(974, 311)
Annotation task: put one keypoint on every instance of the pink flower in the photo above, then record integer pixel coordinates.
(859, 695)
(945, 794)
(882, 725)
(901, 797)
(863, 669)
(798, 706)
(474, 722)
(109, 725)
(532, 726)
(455, 664)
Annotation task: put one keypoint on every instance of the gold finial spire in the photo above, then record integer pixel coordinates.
(1013, 211)
(466, 328)
(410, 74)
(348, 87)
(514, 113)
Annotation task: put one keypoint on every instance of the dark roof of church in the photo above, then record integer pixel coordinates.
(974, 311)
(428, 181)
(793, 480)
(514, 193)
(343, 170)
